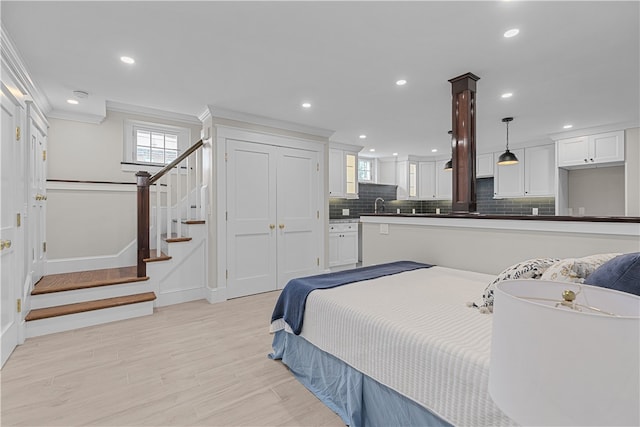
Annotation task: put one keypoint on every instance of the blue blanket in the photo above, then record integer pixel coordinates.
(293, 299)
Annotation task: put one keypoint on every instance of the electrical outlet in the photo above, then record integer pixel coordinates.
(534, 211)
(345, 212)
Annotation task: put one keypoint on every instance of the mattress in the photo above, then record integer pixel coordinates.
(413, 333)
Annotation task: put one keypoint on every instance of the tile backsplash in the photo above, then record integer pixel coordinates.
(484, 199)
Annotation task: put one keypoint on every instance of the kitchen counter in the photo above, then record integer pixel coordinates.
(516, 217)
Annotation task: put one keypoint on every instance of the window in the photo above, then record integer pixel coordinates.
(365, 170)
(148, 146)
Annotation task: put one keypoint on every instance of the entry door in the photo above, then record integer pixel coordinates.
(37, 197)
(298, 215)
(10, 120)
(251, 218)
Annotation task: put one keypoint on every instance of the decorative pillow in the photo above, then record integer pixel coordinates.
(622, 273)
(575, 270)
(529, 269)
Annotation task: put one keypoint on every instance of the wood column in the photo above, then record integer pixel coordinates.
(142, 179)
(463, 140)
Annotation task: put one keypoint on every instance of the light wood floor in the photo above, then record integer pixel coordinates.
(188, 364)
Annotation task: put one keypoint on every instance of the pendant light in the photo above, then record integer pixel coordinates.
(507, 158)
(449, 165)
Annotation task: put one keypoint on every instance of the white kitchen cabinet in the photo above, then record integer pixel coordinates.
(484, 165)
(605, 149)
(343, 245)
(407, 179)
(539, 171)
(343, 171)
(427, 180)
(532, 176)
(444, 181)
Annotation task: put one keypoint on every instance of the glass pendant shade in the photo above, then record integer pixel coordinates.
(507, 158)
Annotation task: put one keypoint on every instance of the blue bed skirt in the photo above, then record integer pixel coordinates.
(359, 400)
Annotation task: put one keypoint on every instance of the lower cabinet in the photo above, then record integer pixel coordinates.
(343, 245)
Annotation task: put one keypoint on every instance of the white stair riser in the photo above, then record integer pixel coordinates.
(35, 328)
(89, 294)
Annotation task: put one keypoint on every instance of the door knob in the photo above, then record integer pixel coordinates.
(281, 226)
(272, 226)
(5, 244)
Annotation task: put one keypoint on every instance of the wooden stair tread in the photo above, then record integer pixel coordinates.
(86, 279)
(80, 307)
(155, 256)
(191, 221)
(175, 238)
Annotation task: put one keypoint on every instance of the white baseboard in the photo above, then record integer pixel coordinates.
(215, 295)
(179, 296)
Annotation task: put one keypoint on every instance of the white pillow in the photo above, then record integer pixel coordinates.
(575, 270)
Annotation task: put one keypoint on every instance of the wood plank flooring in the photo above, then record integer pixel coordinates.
(86, 279)
(187, 364)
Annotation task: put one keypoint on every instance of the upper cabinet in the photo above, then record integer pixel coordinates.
(532, 176)
(605, 149)
(484, 165)
(343, 171)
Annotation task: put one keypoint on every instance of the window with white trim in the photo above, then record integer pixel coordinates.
(152, 144)
(365, 170)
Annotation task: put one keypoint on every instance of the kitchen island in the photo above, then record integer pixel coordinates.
(490, 243)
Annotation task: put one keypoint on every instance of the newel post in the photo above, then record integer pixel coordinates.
(142, 179)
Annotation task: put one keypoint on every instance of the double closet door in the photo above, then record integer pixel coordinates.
(273, 227)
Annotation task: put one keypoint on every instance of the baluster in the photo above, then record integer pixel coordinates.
(178, 202)
(198, 184)
(188, 215)
(168, 204)
(158, 219)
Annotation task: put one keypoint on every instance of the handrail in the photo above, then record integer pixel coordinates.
(173, 164)
(144, 180)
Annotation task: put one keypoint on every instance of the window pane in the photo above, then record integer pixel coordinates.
(143, 154)
(157, 156)
(170, 156)
(157, 140)
(143, 138)
(171, 141)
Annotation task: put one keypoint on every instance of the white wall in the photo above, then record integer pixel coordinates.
(600, 191)
(632, 171)
(95, 220)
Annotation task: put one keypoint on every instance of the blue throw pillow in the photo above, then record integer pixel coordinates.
(621, 273)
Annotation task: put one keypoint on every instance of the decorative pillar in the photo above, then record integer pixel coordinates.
(463, 140)
(142, 179)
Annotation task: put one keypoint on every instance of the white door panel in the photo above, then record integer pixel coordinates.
(251, 218)
(37, 198)
(9, 286)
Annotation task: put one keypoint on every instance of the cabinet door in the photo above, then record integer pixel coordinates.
(387, 172)
(336, 173)
(539, 170)
(484, 165)
(427, 180)
(348, 247)
(509, 179)
(334, 250)
(444, 181)
(351, 175)
(606, 147)
(572, 151)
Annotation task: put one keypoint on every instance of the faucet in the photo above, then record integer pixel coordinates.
(375, 205)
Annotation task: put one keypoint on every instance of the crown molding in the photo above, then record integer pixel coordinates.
(206, 114)
(94, 119)
(13, 61)
(152, 112)
(223, 113)
(594, 130)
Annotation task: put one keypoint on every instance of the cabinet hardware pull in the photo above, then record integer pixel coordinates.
(281, 226)
(272, 226)
(5, 244)
(585, 160)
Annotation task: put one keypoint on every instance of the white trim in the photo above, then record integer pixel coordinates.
(129, 143)
(216, 295)
(13, 61)
(90, 186)
(206, 114)
(594, 130)
(152, 112)
(578, 227)
(222, 113)
(179, 296)
(126, 257)
(93, 119)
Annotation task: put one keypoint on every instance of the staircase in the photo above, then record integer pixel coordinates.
(173, 270)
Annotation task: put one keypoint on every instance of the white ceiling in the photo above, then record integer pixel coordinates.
(573, 62)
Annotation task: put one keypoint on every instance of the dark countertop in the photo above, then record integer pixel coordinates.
(518, 217)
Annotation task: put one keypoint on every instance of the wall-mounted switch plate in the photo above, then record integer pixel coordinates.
(384, 228)
(345, 212)
(534, 211)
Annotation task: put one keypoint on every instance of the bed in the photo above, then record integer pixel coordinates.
(401, 349)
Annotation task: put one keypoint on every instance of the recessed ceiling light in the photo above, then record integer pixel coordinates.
(395, 154)
(567, 126)
(127, 60)
(507, 95)
(401, 82)
(362, 136)
(72, 101)
(372, 150)
(434, 150)
(511, 33)
(306, 105)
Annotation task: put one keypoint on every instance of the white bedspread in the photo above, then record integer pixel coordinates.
(413, 333)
